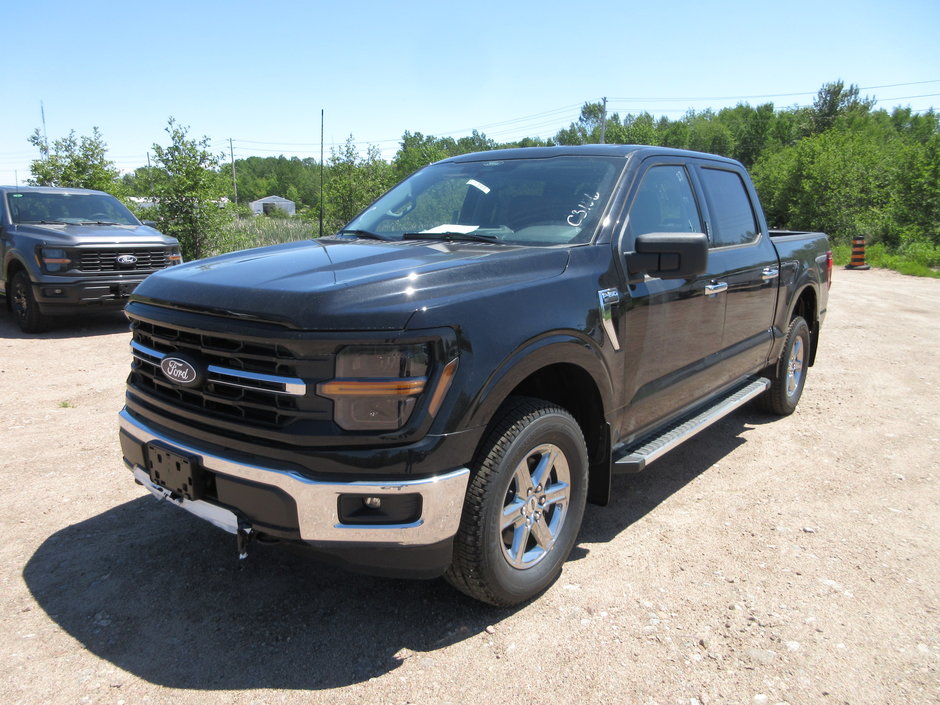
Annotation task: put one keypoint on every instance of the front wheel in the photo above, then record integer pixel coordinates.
(789, 376)
(524, 504)
(24, 305)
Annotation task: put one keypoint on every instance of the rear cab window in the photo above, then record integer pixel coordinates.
(731, 212)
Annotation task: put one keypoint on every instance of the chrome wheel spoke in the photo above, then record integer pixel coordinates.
(516, 551)
(556, 494)
(523, 479)
(540, 475)
(543, 535)
(512, 514)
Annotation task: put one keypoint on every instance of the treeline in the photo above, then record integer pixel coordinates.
(839, 165)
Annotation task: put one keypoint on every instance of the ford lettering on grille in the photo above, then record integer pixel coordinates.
(180, 371)
(127, 260)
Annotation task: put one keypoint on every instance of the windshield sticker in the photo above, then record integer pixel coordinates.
(477, 184)
(579, 213)
(448, 228)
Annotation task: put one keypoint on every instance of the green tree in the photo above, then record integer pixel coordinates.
(840, 181)
(835, 100)
(353, 182)
(187, 188)
(416, 152)
(75, 162)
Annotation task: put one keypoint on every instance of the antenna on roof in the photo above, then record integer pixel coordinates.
(321, 173)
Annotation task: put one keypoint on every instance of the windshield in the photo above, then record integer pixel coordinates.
(549, 201)
(68, 208)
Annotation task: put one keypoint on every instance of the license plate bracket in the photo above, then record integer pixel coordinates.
(177, 472)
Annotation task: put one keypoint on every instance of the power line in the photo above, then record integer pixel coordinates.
(764, 95)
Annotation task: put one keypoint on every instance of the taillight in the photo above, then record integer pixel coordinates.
(829, 269)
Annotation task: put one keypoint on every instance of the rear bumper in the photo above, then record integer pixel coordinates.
(288, 505)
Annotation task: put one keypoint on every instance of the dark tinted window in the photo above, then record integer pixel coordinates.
(664, 203)
(732, 217)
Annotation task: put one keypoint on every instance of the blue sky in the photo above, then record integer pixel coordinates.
(260, 73)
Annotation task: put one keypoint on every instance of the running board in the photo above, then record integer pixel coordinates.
(637, 457)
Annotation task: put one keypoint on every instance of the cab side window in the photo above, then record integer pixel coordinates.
(732, 216)
(664, 203)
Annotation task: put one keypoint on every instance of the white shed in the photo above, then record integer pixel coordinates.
(269, 203)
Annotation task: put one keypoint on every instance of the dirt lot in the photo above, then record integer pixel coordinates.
(766, 561)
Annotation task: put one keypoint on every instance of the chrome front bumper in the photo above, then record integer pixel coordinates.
(318, 502)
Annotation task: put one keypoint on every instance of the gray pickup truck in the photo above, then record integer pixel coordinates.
(66, 250)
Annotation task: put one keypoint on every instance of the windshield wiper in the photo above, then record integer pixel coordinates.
(97, 222)
(450, 236)
(365, 233)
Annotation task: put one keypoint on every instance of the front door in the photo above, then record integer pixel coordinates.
(671, 329)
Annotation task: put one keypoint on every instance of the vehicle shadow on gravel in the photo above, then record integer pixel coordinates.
(84, 325)
(162, 595)
(633, 496)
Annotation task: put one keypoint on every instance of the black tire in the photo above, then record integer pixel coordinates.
(23, 304)
(789, 374)
(511, 546)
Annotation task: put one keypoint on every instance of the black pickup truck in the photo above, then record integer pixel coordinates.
(441, 386)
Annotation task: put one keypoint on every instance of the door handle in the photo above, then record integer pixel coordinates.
(715, 288)
(770, 273)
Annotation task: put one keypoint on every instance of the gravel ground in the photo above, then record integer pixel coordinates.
(766, 561)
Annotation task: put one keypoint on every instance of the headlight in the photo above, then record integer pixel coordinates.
(55, 259)
(174, 257)
(376, 387)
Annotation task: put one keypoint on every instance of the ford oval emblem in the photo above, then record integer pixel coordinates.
(180, 371)
(126, 260)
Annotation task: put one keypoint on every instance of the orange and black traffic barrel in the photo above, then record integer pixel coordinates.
(858, 254)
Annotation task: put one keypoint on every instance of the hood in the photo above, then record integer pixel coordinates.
(335, 284)
(66, 234)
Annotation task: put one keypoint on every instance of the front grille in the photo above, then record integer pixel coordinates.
(107, 260)
(255, 382)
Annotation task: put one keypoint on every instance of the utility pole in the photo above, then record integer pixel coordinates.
(231, 152)
(604, 121)
(45, 136)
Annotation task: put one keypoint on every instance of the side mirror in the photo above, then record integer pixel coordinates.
(669, 255)
(150, 223)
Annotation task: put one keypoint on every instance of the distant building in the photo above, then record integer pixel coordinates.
(269, 203)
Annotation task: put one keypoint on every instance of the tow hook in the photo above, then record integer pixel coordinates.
(243, 537)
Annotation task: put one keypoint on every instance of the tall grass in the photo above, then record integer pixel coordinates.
(918, 259)
(260, 231)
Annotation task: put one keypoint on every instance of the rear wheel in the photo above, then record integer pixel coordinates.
(524, 504)
(789, 374)
(24, 305)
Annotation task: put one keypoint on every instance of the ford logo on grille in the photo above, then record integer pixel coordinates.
(126, 260)
(180, 371)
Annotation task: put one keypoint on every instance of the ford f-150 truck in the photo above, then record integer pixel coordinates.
(440, 387)
(69, 250)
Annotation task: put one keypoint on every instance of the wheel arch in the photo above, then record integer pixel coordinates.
(10, 268)
(806, 304)
(564, 370)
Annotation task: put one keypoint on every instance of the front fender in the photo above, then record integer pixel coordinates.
(564, 351)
